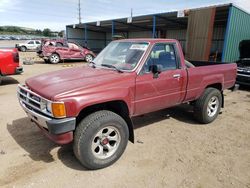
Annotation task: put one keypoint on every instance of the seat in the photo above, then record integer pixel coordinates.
(166, 60)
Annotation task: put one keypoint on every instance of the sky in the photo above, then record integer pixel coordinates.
(56, 14)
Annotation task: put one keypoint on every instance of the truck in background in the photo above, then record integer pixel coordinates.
(243, 71)
(9, 63)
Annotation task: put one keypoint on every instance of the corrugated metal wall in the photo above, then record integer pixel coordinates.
(199, 34)
(218, 39)
(238, 29)
(179, 34)
(95, 40)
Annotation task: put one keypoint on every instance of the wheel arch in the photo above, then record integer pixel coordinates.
(119, 107)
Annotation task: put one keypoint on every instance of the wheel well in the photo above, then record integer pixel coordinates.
(217, 86)
(118, 107)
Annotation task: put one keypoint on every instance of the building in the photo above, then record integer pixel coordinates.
(204, 33)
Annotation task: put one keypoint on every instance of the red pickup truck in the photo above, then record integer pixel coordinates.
(9, 63)
(93, 105)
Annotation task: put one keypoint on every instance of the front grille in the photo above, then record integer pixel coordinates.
(32, 101)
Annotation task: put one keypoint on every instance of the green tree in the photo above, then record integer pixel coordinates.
(47, 32)
(38, 32)
(61, 33)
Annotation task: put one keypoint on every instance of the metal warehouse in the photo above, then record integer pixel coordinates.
(208, 33)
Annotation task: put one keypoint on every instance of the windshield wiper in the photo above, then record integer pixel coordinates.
(112, 66)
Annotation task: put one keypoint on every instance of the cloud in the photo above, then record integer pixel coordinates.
(244, 4)
(5, 4)
(105, 1)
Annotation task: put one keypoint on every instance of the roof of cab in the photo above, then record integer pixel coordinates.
(150, 40)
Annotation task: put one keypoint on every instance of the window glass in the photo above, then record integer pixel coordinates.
(123, 55)
(73, 46)
(31, 42)
(37, 42)
(162, 55)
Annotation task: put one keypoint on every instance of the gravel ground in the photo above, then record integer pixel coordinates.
(171, 149)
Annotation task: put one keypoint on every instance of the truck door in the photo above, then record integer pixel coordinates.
(162, 91)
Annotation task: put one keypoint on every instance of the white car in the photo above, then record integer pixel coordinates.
(28, 45)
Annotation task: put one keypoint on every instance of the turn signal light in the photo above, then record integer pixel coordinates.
(58, 110)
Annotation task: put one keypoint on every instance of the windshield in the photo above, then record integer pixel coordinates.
(121, 55)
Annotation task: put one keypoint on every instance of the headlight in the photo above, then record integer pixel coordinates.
(57, 109)
(48, 107)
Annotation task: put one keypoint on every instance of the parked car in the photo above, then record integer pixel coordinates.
(53, 51)
(93, 105)
(9, 63)
(28, 45)
(243, 73)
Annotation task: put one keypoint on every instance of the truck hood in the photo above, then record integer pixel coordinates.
(53, 84)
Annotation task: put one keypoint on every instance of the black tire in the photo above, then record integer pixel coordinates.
(1, 79)
(54, 58)
(46, 61)
(23, 49)
(85, 138)
(202, 112)
(89, 58)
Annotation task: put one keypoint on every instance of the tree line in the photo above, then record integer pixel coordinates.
(18, 30)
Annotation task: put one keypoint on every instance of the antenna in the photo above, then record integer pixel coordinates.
(79, 11)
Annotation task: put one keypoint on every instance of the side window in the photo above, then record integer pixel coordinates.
(162, 55)
(73, 46)
(37, 42)
(31, 42)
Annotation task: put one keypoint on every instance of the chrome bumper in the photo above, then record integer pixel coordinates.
(37, 118)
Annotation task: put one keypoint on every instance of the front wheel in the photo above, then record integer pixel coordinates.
(89, 58)
(54, 58)
(23, 49)
(207, 107)
(100, 139)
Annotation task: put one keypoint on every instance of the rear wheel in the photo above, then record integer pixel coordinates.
(23, 49)
(89, 58)
(54, 58)
(207, 107)
(46, 61)
(100, 139)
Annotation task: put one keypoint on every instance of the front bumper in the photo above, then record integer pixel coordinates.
(58, 130)
(243, 79)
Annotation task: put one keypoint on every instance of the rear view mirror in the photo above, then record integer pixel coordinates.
(156, 70)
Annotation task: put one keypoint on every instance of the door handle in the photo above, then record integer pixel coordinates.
(176, 76)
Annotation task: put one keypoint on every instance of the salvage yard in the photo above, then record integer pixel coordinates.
(171, 149)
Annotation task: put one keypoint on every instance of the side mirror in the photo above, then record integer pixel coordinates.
(156, 70)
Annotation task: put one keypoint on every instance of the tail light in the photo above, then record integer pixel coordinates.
(15, 57)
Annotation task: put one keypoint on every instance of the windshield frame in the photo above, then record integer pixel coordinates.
(139, 61)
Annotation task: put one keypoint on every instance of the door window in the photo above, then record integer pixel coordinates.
(162, 55)
(73, 46)
(31, 42)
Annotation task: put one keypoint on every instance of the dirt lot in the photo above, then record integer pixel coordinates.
(171, 149)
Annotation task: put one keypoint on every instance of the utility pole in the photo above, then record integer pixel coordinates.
(79, 11)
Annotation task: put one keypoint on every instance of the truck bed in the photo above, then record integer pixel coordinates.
(205, 73)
